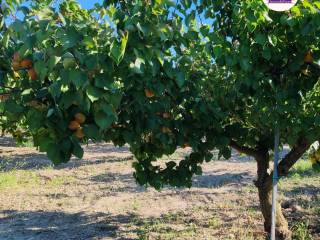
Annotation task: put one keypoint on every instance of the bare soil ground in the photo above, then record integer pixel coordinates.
(97, 198)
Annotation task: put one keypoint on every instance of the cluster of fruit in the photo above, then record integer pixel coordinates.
(75, 125)
(24, 64)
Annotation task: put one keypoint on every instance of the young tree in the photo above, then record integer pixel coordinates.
(158, 75)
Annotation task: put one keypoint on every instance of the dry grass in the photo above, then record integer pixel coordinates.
(97, 198)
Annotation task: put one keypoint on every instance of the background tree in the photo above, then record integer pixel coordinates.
(159, 75)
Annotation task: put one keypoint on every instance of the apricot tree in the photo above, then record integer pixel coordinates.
(269, 75)
(158, 75)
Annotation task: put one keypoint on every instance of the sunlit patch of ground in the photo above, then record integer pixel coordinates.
(97, 198)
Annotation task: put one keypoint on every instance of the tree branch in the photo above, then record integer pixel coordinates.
(246, 150)
(289, 160)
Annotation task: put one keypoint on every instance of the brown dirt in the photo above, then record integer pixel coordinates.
(97, 198)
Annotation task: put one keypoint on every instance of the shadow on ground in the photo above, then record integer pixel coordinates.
(15, 158)
(210, 180)
(39, 225)
(307, 197)
(28, 161)
(7, 142)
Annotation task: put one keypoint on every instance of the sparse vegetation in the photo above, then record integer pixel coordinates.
(302, 168)
(301, 232)
(18, 179)
(98, 197)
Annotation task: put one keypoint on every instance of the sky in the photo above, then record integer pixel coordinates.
(89, 3)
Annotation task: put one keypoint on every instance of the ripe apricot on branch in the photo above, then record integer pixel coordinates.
(26, 63)
(32, 74)
(74, 125)
(149, 93)
(79, 133)
(308, 58)
(80, 118)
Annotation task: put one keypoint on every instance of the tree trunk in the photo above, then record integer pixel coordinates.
(282, 229)
(264, 182)
(265, 197)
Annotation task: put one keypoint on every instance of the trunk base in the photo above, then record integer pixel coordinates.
(282, 228)
(283, 234)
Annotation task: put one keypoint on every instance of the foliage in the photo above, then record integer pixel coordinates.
(152, 75)
(300, 230)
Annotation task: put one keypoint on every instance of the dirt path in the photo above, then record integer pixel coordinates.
(97, 198)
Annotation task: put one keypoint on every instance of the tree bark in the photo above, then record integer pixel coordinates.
(265, 198)
(264, 182)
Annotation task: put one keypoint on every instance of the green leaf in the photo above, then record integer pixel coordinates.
(217, 51)
(102, 81)
(69, 63)
(35, 119)
(138, 66)
(53, 61)
(91, 131)
(160, 56)
(115, 99)
(94, 93)
(43, 141)
(225, 152)
(41, 69)
(317, 4)
(273, 40)
(118, 50)
(266, 54)
(13, 107)
(198, 171)
(77, 149)
(54, 154)
(69, 98)
(103, 119)
(89, 42)
(69, 39)
(78, 78)
(107, 108)
(245, 64)
(261, 39)
(180, 79)
(208, 157)
(165, 2)
(55, 89)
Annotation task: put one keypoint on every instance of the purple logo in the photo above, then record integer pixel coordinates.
(280, 5)
(280, 1)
